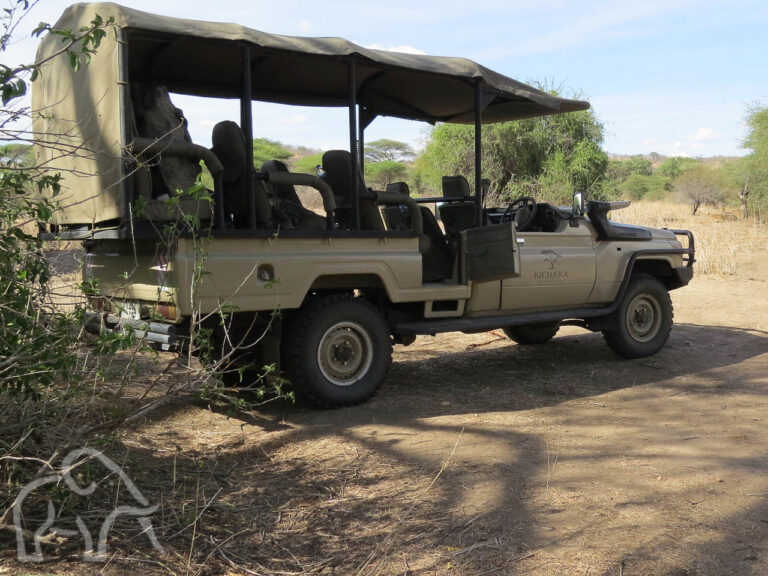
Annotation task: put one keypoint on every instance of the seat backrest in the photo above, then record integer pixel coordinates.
(336, 165)
(230, 148)
(437, 260)
(456, 187)
(397, 217)
(282, 191)
(458, 216)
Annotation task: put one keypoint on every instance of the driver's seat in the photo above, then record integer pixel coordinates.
(457, 216)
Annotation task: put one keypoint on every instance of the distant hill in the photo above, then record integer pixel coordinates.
(657, 159)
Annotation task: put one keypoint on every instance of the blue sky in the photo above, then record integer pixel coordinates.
(674, 76)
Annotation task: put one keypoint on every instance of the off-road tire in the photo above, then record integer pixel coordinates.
(337, 350)
(643, 321)
(532, 334)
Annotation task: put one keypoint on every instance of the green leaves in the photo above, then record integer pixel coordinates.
(382, 173)
(36, 340)
(521, 157)
(265, 149)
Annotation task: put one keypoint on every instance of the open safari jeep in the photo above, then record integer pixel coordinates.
(369, 269)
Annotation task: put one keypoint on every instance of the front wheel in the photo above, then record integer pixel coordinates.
(337, 350)
(643, 321)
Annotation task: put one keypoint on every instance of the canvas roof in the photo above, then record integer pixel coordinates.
(86, 112)
(204, 58)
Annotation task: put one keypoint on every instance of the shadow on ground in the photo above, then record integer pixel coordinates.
(500, 459)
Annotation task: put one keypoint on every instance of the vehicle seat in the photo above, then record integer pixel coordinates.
(437, 255)
(336, 164)
(286, 200)
(437, 259)
(397, 217)
(230, 148)
(457, 216)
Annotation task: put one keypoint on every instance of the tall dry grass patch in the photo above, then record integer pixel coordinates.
(725, 242)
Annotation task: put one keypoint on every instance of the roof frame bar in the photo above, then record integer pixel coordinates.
(246, 125)
(483, 98)
(354, 165)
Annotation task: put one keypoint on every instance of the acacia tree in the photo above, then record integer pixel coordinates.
(755, 166)
(385, 161)
(388, 150)
(385, 172)
(701, 185)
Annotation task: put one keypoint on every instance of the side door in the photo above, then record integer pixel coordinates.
(491, 252)
(557, 270)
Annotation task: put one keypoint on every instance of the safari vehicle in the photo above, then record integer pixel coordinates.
(374, 268)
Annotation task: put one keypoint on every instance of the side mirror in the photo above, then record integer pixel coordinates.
(578, 205)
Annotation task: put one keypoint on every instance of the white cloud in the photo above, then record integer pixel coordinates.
(304, 26)
(399, 48)
(705, 135)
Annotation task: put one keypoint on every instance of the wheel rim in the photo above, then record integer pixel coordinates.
(643, 317)
(345, 353)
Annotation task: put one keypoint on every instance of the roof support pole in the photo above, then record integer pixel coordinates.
(246, 124)
(361, 139)
(353, 148)
(478, 154)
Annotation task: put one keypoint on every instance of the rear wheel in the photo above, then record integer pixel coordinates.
(529, 334)
(337, 350)
(643, 321)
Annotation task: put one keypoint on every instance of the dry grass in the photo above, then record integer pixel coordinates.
(725, 242)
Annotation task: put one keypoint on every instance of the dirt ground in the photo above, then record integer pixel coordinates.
(479, 456)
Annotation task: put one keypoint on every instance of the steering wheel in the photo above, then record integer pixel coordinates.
(522, 209)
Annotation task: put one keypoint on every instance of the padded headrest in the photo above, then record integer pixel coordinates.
(229, 146)
(336, 166)
(274, 166)
(398, 188)
(336, 161)
(456, 187)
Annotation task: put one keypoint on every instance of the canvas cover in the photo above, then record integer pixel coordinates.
(83, 111)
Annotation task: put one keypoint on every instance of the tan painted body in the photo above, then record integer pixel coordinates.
(565, 269)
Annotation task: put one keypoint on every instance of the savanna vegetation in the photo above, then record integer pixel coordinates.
(60, 387)
(553, 157)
